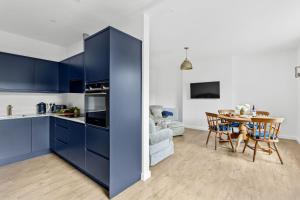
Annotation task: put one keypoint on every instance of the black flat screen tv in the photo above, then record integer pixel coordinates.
(207, 90)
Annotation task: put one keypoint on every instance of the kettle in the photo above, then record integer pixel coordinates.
(41, 108)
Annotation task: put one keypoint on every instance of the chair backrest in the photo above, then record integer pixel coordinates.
(212, 120)
(226, 111)
(262, 113)
(266, 128)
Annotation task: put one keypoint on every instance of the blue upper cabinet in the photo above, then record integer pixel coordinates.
(71, 75)
(16, 72)
(46, 76)
(96, 57)
(63, 77)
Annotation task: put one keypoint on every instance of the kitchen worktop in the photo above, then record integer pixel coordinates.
(77, 119)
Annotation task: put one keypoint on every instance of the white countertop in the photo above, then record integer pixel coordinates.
(77, 119)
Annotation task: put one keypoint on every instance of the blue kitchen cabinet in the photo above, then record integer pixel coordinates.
(52, 133)
(71, 74)
(69, 139)
(97, 140)
(125, 129)
(40, 134)
(97, 167)
(62, 138)
(96, 57)
(77, 144)
(16, 73)
(15, 138)
(46, 76)
(64, 76)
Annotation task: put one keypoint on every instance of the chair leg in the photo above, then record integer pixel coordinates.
(208, 137)
(246, 143)
(230, 141)
(255, 149)
(216, 141)
(269, 145)
(278, 153)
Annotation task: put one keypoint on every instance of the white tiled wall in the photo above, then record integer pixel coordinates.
(25, 103)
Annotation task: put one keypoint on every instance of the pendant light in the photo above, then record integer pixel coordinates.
(186, 64)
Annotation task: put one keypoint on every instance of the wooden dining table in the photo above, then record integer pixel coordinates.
(243, 120)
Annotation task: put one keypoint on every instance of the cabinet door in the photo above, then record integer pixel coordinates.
(40, 133)
(64, 76)
(62, 138)
(97, 140)
(77, 144)
(98, 167)
(76, 74)
(15, 137)
(96, 57)
(46, 76)
(16, 73)
(52, 133)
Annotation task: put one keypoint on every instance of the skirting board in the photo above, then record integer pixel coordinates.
(205, 129)
(145, 175)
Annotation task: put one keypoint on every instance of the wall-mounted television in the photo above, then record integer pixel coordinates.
(205, 90)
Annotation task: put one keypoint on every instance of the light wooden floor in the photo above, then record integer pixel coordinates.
(193, 172)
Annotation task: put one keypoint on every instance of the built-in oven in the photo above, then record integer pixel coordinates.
(97, 104)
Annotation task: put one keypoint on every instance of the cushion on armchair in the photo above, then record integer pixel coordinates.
(166, 113)
(156, 111)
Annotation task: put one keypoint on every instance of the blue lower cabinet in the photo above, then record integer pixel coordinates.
(52, 133)
(61, 148)
(15, 138)
(97, 167)
(97, 140)
(40, 133)
(77, 144)
(62, 133)
(70, 141)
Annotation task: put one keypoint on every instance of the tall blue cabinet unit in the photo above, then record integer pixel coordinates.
(111, 55)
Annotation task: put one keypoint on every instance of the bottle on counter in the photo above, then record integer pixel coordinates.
(9, 110)
(253, 111)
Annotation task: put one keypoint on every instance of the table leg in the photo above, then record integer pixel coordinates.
(242, 136)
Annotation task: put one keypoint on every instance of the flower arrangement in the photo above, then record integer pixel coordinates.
(242, 109)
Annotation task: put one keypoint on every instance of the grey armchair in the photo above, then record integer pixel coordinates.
(161, 143)
(171, 122)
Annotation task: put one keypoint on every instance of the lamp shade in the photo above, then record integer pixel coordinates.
(186, 64)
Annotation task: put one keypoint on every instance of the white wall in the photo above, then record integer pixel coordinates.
(165, 80)
(25, 103)
(21, 45)
(268, 82)
(206, 70)
(298, 98)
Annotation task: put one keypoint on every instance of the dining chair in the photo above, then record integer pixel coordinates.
(262, 113)
(265, 130)
(218, 128)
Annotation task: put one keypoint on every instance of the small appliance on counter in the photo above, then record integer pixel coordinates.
(41, 108)
(57, 108)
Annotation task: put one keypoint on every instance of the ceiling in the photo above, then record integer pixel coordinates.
(62, 22)
(225, 27)
(208, 27)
